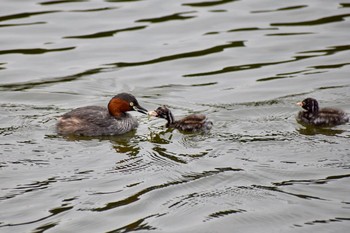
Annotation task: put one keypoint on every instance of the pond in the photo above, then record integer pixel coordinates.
(244, 64)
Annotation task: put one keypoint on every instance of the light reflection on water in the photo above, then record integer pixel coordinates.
(242, 63)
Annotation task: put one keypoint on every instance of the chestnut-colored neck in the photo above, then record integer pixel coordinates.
(118, 107)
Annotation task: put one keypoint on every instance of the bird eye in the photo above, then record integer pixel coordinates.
(131, 104)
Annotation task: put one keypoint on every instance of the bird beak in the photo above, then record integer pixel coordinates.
(152, 113)
(300, 104)
(140, 109)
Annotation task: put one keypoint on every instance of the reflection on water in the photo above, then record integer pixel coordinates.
(244, 64)
(104, 34)
(324, 20)
(177, 16)
(315, 53)
(204, 52)
(312, 130)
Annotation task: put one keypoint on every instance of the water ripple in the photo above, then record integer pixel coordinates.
(314, 181)
(131, 165)
(315, 22)
(172, 17)
(34, 51)
(21, 24)
(162, 154)
(251, 29)
(224, 213)
(323, 221)
(306, 55)
(138, 225)
(54, 2)
(24, 15)
(31, 84)
(299, 195)
(208, 3)
(35, 186)
(95, 9)
(297, 7)
(185, 179)
(105, 33)
(290, 34)
(53, 212)
(198, 53)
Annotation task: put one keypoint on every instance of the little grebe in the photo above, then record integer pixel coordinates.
(191, 123)
(320, 117)
(99, 121)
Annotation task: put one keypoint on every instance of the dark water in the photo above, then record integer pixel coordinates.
(242, 63)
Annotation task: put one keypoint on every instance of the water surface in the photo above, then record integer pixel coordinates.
(242, 63)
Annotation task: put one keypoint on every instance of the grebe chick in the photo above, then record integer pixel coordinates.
(191, 123)
(99, 121)
(320, 117)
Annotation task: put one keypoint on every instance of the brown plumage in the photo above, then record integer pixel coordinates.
(98, 120)
(320, 117)
(191, 123)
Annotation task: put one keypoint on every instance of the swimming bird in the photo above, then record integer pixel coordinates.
(191, 123)
(99, 121)
(320, 117)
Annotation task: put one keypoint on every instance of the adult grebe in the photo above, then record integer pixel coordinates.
(99, 121)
